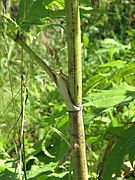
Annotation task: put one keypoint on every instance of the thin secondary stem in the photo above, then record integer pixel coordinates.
(32, 54)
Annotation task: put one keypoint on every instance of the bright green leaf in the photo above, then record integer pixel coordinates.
(96, 139)
(112, 97)
(37, 170)
(117, 63)
(59, 175)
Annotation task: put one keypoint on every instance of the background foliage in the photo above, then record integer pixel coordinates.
(108, 31)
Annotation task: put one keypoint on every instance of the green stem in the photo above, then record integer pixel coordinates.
(79, 163)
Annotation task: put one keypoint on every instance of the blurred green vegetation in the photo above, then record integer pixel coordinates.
(108, 46)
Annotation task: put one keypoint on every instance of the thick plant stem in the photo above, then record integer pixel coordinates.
(76, 129)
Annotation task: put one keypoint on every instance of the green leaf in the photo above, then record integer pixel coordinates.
(86, 2)
(2, 165)
(94, 139)
(8, 174)
(108, 98)
(122, 72)
(93, 81)
(125, 145)
(37, 171)
(85, 40)
(37, 13)
(94, 112)
(109, 42)
(59, 175)
(90, 10)
(117, 63)
(103, 77)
